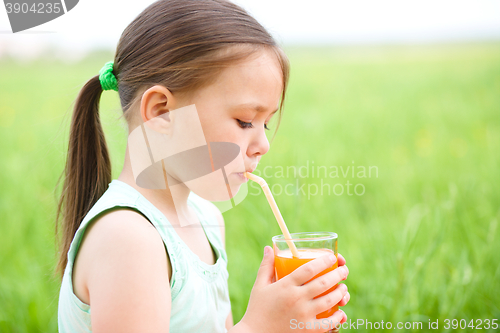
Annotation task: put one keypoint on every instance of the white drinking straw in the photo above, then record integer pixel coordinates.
(276, 211)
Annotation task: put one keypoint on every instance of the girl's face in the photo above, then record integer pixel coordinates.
(235, 108)
(239, 105)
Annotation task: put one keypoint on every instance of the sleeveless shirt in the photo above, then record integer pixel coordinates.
(199, 292)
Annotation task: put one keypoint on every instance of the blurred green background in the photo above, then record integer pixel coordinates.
(421, 242)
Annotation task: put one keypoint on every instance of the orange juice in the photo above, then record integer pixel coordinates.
(285, 264)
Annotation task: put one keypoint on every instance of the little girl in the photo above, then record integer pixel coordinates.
(148, 259)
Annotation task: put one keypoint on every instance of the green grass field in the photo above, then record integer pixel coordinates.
(421, 236)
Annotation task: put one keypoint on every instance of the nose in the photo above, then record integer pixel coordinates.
(259, 145)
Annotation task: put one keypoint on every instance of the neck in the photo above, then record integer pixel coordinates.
(172, 201)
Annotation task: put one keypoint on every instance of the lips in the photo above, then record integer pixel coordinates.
(248, 170)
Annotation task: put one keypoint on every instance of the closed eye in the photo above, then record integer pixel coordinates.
(248, 125)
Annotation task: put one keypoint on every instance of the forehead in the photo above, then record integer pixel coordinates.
(257, 79)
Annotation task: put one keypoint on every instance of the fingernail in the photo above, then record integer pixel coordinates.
(266, 251)
(333, 258)
(344, 288)
(344, 272)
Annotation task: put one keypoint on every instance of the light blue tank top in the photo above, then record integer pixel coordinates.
(199, 292)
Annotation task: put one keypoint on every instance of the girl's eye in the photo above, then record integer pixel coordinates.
(244, 124)
(248, 125)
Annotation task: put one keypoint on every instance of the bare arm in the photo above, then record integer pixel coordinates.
(128, 279)
(273, 304)
(229, 321)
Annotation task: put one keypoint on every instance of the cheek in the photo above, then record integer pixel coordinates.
(223, 131)
(219, 127)
(222, 183)
(213, 125)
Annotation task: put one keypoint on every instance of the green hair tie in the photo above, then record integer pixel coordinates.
(107, 78)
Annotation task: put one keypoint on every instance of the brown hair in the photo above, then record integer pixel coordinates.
(180, 44)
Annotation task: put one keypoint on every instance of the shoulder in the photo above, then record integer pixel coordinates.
(121, 226)
(121, 232)
(127, 268)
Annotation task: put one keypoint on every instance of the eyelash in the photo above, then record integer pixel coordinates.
(249, 125)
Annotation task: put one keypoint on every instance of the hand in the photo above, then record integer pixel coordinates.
(274, 304)
(347, 296)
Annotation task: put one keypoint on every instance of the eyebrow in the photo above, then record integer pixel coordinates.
(256, 107)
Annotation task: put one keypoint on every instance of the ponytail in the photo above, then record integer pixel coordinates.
(88, 168)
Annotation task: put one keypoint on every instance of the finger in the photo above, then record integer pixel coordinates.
(345, 299)
(344, 316)
(346, 270)
(341, 260)
(309, 270)
(266, 270)
(334, 321)
(325, 282)
(329, 300)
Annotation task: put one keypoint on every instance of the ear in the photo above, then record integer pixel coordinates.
(156, 103)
